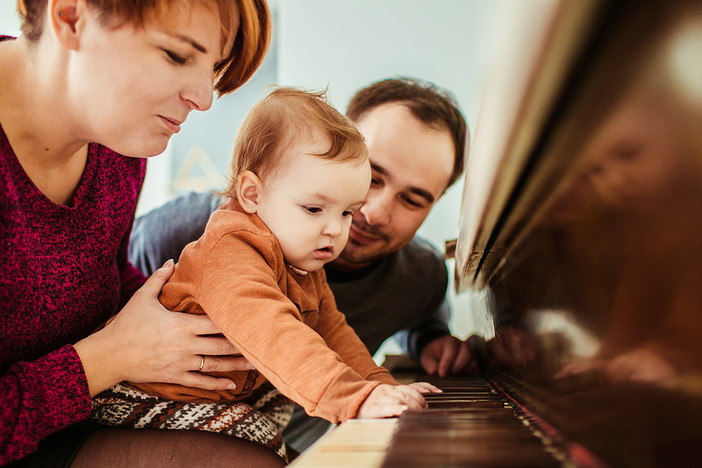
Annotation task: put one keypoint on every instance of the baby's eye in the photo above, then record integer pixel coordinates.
(312, 209)
(347, 213)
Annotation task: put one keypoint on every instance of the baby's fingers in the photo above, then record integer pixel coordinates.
(409, 396)
(386, 410)
(425, 387)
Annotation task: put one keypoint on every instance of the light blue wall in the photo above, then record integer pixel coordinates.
(9, 21)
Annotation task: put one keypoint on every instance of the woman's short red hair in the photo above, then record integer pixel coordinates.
(250, 44)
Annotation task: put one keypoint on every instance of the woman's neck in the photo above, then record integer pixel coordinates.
(35, 118)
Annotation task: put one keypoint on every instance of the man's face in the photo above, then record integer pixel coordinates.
(411, 164)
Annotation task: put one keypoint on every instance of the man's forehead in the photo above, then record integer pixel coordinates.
(403, 148)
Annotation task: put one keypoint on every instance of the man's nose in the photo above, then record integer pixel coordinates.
(377, 209)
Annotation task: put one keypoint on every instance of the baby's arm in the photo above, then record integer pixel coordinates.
(240, 293)
(341, 338)
(392, 400)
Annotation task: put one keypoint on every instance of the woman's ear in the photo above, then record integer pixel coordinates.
(248, 191)
(66, 18)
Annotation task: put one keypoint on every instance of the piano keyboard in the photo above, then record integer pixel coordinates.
(469, 424)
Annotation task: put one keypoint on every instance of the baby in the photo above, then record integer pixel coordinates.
(300, 169)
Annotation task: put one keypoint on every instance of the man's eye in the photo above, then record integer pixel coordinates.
(411, 202)
(375, 181)
(313, 209)
(175, 58)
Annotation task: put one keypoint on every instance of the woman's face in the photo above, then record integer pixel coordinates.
(133, 88)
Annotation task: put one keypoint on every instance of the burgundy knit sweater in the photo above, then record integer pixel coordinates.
(64, 272)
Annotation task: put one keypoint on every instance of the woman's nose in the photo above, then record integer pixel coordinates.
(199, 93)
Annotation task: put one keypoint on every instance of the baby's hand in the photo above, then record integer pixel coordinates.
(389, 400)
(425, 387)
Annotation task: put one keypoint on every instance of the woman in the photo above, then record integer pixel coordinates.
(87, 83)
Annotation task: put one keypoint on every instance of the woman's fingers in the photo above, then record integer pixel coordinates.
(154, 283)
(206, 382)
(223, 364)
(200, 324)
(210, 345)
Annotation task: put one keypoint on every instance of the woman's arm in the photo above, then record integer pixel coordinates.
(38, 398)
(144, 342)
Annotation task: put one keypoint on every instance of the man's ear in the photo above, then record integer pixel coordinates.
(66, 18)
(248, 191)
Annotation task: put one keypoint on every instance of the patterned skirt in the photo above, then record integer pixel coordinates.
(260, 418)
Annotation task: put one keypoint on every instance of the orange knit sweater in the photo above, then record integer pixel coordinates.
(284, 323)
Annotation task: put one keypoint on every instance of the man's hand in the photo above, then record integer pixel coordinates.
(511, 347)
(447, 355)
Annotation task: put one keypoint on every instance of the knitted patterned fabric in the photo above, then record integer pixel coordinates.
(64, 271)
(260, 418)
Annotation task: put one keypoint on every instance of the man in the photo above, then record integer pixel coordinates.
(386, 281)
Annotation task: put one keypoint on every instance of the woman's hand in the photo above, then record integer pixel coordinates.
(147, 343)
(392, 400)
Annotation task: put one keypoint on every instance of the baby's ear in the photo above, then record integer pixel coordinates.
(248, 191)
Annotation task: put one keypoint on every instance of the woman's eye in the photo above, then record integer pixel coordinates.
(175, 58)
(313, 209)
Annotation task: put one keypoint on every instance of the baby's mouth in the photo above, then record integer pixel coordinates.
(324, 252)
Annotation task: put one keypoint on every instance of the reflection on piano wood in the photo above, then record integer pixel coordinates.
(469, 424)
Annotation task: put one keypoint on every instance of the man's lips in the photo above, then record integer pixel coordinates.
(171, 124)
(360, 236)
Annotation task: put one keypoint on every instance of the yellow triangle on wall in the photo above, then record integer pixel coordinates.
(187, 178)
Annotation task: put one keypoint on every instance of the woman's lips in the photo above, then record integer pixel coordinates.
(172, 125)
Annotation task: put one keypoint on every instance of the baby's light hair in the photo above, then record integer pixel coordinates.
(288, 115)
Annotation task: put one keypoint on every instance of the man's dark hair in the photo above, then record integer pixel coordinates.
(433, 106)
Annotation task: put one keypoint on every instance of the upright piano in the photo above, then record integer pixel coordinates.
(581, 222)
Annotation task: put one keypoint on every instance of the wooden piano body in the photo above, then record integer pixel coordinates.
(582, 221)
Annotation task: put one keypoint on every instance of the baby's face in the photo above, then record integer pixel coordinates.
(308, 205)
